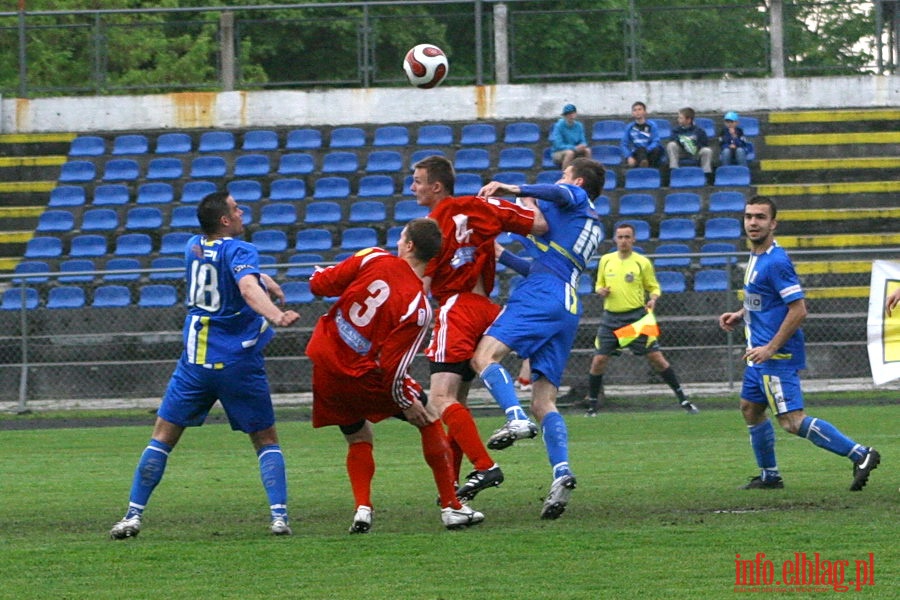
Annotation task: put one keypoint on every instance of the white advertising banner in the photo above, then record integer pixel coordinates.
(883, 332)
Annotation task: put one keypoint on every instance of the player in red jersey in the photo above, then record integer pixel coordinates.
(361, 351)
(460, 279)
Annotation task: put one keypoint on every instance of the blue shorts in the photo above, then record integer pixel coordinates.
(780, 389)
(539, 323)
(242, 388)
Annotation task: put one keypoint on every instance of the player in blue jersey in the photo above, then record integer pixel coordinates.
(774, 309)
(225, 331)
(541, 317)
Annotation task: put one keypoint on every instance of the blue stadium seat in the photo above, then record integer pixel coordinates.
(111, 194)
(12, 299)
(551, 176)
(472, 159)
(87, 145)
(511, 177)
(87, 246)
(305, 264)
(467, 184)
(260, 140)
(405, 210)
(516, 158)
(727, 202)
(671, 282)
(331, 188)
(406, 188)
(711, 280)
(76, 265)
(121, 169)
(77, 171)
(208, 167)
(687, 177)
(174, 242)
(602, 205)
(297, 292)
(357, 238)
(174, 143)
(32, 268)
(318, 213)
(184, 217)
(156, 295)
(717, 247)
(278, 213)
(547, 159)
(287, 190)
(111, 296)
(155, 193)
(251, 165)
(340, 162)
(585, 284)
(708, 126)
(245, 190)
(665, 128)
(296, 163)
(521, 132)
(664, 262)
(610, 180)
(682, 203)
(144, 217)
(637, 204)
(130, 144)
(133, 244)
(391, 135)
(478, 134)
(303, 139)
(66, 195)
(750, 125)
(311, 240)
(269, 240)
(195, 191)
(641, 228)
(55, 220)
(434, 135)
(677, 228)
(247, 209)
(376, 186)
(122, 264)
(384, 161)
(732, 175)
(167, 262)
(608, 155)
(166, 167)
(216, 141)
(641, 178)
(348, 137)
(424, 153)
(368, 211)
(722, 228)
(608, 130)
(99, 219)
(750, 150)
(393, 236)
(66, 296)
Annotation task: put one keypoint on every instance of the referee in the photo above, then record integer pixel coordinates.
(626, 279)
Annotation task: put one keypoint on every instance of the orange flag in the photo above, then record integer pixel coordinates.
(646, 325)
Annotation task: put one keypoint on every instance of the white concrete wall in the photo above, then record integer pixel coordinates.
(468, 103)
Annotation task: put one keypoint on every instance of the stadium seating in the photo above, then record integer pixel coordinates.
(167, 262)
(471, 159)
(711, 280)
(303, 139)
(194, 191)
(331, 188)
(677, 228)
(121, 169)
(174, 143)
(732, 175)
(99, 219)
(184, 217)
(32, 268)
(708, 126)
(551, 176)
(750, 125)
(165, 168)
(174, 242)
(665, 128)
(671, 282)
(727, 202)
(318, 213)
(157, 295)
(65, 297)
(608, 155)
(668, 262)
(130, 144)
(87, 246)
(208, 167)
(393, 236)
(516, 158)
(434, 135)
(602, 205)
(610, 180)
(155, 193)
(312, 240)
(367, 211)
(245, 190)
(296, 164)
(43, 247)
(251, 165)
(269, 240)
(297, 292)
(287, 189)
(391, 135)
(347, 137)
(111, 296)
(76, 265)
(111, 194)
(641, 178)
(122, 264)
(216, 141)
(278, 213)
(376, 186)
(12, 299)
(87, 145)
(682, 203)
(637, 204)
(384, 161)
(144, 217)
(467, 184)
(511, 177)
(725, 228)
(305, 264)
(547, 160)
(521, 132)
(478, 134)
(260, 140)
(77, 171)
(608, 130)
(405, 210)
(66, 196)
(340, 162)
(55, 220)
(357, 238)
(687, 177)
(424, 153)
(133, 244)
(714, 247)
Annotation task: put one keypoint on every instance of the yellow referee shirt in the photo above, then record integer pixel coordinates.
(629, 281)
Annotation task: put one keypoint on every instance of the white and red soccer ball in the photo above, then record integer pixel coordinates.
(426, 66)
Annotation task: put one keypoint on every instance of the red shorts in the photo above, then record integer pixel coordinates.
(339, 399)
(458, 325)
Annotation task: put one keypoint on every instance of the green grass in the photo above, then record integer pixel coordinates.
(656, 514)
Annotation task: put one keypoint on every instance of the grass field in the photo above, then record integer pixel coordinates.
(656, 515)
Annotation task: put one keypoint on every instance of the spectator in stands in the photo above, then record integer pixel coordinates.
(567, 138)
(640, 143)
(690, 141)
(732, 142)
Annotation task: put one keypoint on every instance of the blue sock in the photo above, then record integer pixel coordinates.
(556, 439)
(147, 476)
(762, 440)
(825, 435)
(274, 479)
(500, 384)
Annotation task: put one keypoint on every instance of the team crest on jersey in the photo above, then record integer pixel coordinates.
(463, 256)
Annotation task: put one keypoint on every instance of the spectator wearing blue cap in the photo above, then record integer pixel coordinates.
(732, 142)
(567, 138)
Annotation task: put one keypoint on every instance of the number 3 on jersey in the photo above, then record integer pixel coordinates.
(362, 315)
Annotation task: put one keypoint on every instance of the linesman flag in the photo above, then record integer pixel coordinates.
(883, 332)
(646, 325)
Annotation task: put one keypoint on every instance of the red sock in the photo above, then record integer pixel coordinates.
(462, 429)
(456, 456)
(361, 469)
(436, 450)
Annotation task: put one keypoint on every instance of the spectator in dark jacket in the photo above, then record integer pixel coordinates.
(690, 141)
(640, 143)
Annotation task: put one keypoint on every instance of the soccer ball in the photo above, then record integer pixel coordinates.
(426, 66)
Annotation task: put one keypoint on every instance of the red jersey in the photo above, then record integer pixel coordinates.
(377, 324)
(469, 225)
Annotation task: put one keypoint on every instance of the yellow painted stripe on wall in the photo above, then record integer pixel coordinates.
(832, 139)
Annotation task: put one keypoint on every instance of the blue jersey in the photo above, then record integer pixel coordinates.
(220, 327)
(770, 284)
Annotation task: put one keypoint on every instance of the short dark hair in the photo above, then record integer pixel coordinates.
(592, 173)
(639, 103)
(425, 235)
(766, 201)
(688, 112)
(626, 226)
(210, 211)
(439, 168)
